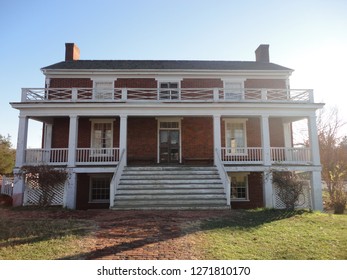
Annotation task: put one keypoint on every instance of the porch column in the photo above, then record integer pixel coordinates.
(217, 142)
(265, 140)
(19, 181)
(123, 129)
(316, 191)
(313, 135)
(73, 134)
(69, 200)
(47, 140)
(267, 189)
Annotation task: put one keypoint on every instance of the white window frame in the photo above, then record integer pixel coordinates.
(94, 151)
(230, 93)
(91, 178)
(234, 150)
(170, 90)
(105, 92)
(234, 177)
(171, 120)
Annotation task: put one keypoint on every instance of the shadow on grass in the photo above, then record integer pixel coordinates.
(249, 219)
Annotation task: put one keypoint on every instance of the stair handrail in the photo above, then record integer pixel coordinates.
(224, 175)
(116, 177)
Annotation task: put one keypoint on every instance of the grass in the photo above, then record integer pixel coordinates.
(43, 239)
(276, 235)
(252, 234)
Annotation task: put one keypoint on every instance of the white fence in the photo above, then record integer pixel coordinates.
(7, 186)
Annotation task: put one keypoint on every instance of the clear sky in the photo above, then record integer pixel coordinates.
(309, 36)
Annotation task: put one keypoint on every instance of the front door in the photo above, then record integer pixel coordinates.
(169, 148)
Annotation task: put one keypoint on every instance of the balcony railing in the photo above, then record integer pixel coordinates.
(166, 95)
(84, 156)
(278, 155)
(107, 156)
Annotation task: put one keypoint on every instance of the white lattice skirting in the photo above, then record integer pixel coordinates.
(33, 193)
(304, 201)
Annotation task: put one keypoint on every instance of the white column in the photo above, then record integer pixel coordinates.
(123, 129)
(265, 140)
(267, 189)
(316, 191)
(19, 181)
(217, 142)
(70, 191)
(73, 134)
(314, 144)
(47, 142)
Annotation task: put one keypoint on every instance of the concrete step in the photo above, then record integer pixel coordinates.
(173, 191)
(158, 197)
(168, 176)
(170, 202)
(170, 186)
(170, 172)
(169, 182)
(170, 207)
(170, 168)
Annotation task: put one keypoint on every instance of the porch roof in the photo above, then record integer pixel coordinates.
(165, 65)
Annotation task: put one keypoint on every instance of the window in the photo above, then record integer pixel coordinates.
(235, 137)
(169, 91)
(238, 186)
(100, 188)
(233, 91)
(102, 137)
(103, 90)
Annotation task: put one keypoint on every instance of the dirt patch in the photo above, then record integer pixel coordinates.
(134, 235)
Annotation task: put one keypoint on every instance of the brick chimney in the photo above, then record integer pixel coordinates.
(72, 52)
(262, 53)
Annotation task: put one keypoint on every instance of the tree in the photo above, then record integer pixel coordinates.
(7, 155)
(333, 152)
(45, 178)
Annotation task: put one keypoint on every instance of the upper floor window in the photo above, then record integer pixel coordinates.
(235, 136)
(169, 90)
(234, 89)
(102, 137)
(103, 90)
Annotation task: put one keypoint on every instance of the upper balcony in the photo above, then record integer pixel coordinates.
(159, 95)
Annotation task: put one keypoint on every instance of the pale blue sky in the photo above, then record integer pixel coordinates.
(305, 35)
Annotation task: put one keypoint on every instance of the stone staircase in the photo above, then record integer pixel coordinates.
(170, 187)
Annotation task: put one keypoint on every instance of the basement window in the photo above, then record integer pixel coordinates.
(238, 186)
(99, 189)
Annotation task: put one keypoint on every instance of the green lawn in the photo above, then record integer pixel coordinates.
(276, 235)
(37, 239)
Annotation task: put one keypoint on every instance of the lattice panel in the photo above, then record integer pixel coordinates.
(304, 200)
(33, 194)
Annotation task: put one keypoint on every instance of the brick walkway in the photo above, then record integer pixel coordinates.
(133, 235)
(148, 235)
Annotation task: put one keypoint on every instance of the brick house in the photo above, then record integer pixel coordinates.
(139, 134)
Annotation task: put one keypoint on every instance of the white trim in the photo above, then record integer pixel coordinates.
(169, 119)
(242, 121)
(239, 175)
(91, 177)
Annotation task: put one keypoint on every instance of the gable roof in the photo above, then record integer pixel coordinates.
(165, 65)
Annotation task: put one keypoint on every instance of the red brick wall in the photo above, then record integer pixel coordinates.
(60, 133)
(142, 140)
(136, 83)
(201, 83)
(264, 83)
(197, 138)
(82, 194)
(255, 193)
(71, 82)
(276, 132)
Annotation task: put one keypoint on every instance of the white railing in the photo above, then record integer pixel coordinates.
(166, 95)
(254, 155)
(97, 155)
(116, 177)
(290, 155)
(7, 186)
(49, 156)
(223, 174)
(242, 155)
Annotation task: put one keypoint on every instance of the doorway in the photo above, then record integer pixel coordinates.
(169, 142)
